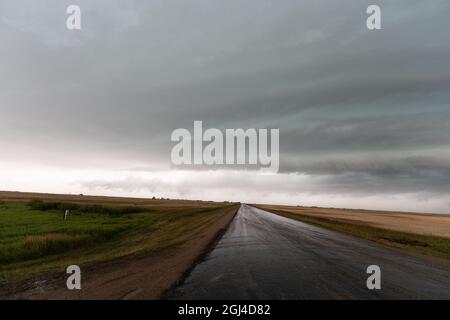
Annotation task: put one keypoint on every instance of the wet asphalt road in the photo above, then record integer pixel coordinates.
(266, 256)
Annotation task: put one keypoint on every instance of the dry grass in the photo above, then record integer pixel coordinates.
(416, 223)
(55, 242)
(419, 242)
(8, 196)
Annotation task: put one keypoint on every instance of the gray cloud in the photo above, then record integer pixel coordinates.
(363, 112)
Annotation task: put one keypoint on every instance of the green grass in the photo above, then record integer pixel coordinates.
(40, 205)
(23, 231)
(423, 244)
(35, 239)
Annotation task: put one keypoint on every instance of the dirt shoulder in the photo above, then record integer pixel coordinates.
(146, 276)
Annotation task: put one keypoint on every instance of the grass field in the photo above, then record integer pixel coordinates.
(35, 238)
(420, 242)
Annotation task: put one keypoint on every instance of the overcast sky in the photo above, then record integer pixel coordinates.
(364, 116)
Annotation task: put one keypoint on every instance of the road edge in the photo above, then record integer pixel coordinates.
(429, 258)
(168, 294)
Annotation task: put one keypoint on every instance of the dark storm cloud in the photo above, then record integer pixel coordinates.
(369, 175)
(396, 132)
(367, 111)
